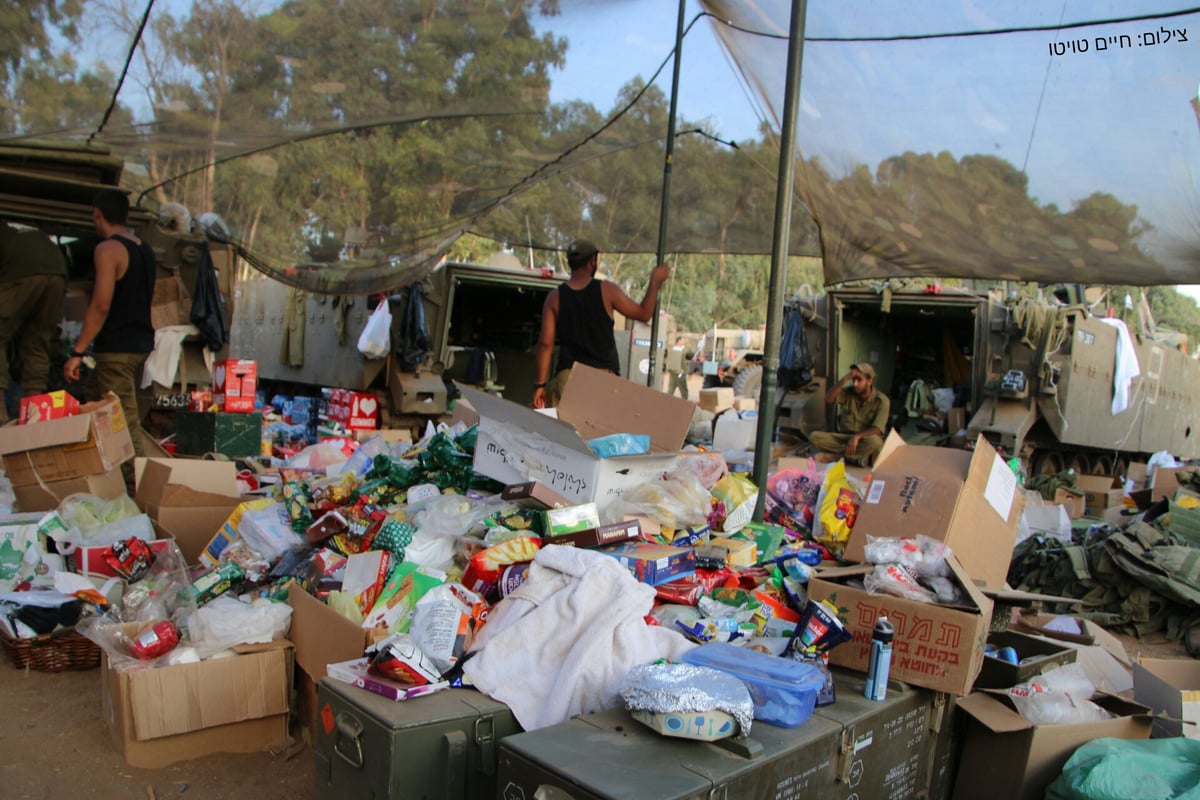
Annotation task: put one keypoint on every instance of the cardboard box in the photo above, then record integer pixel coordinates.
(1005, 755)
(734, 433)
(653, 563)
(227, 705)
(716, 400)
(321, 635)
(968, 499)
(745, 404)
(354, 411)
(603, 535)
(46, 497)
(189, 498)
(90, 443)
(1073, 503)
(1170, 687)
(518, 444)
(938, 647)
(1165, 482)
(742, 552)
(1036, 655)
(532, 494)
(47, 406)
(1100, 492)
(235, 381)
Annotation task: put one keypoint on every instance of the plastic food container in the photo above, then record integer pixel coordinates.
(784, 691)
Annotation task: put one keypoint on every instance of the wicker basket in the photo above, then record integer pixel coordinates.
(53, 652)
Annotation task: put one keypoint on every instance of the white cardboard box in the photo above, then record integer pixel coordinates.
(518, 444)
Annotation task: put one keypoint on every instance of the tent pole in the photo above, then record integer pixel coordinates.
(779, 256)
(652, 377)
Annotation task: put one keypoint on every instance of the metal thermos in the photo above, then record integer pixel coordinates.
(881, 659)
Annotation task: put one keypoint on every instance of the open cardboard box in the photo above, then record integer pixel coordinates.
(1005, 755)
(518, 444)
(227, 705)
(935, 646)
(189, 498)
(47, 496)
(90, 443)
(1100, 493)
(968, 499)
(1170, 687)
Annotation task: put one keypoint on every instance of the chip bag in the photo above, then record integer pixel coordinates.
(838, 508)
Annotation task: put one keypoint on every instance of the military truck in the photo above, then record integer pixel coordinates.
(1034, 375)
(732, 357)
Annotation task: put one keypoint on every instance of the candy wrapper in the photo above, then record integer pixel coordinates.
(393, 536)
(684, 591)
(296, 500)
(681, 690)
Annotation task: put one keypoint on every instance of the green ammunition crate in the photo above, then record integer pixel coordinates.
(441, 746)
(233, 435)
(853, 748)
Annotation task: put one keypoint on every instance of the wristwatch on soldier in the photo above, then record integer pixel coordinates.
(87, 359)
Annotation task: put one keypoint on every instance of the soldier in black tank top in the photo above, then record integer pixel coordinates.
(127, 329)
(585, 330)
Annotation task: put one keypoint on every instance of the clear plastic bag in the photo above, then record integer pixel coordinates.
(1059, 697)
(225, 622)
(680, 502)
(923, 555)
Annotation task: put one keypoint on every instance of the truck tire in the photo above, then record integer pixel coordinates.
(748, 382)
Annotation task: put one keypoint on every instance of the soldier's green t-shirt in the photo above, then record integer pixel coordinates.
(24, 253)
(859, 415)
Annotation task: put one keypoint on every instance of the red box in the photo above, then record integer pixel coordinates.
(89, 561)
(52, 405)
(354, 411)
(235, 381)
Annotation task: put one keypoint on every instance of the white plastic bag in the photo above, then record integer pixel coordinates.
(375, 341)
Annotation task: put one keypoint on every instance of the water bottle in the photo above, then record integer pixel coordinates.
(881, 659)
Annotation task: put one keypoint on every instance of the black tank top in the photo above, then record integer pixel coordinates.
(585, 330)
(127, 328)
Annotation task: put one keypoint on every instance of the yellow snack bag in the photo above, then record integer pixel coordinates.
(838, 509)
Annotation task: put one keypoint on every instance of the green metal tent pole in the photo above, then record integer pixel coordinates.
(779, 256)
(661, 254)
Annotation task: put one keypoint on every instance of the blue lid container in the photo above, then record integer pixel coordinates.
(784, 691)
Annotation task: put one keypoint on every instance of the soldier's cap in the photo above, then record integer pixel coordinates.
(865, 369)
(580, 252)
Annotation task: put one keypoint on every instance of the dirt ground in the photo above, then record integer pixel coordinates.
(54, 745)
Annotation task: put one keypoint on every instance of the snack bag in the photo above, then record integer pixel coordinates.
(838, 509)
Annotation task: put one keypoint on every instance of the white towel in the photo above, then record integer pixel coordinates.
(564, 641)
(163, 362)
(1125, 365)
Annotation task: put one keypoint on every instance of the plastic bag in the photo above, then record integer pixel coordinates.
(837, 509)
(375, 341)
(1115, 769)
(225, 622)
(676, 503)
(923, 555)
(1059, 697)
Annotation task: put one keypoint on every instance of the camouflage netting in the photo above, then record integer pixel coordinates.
(348, 145)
